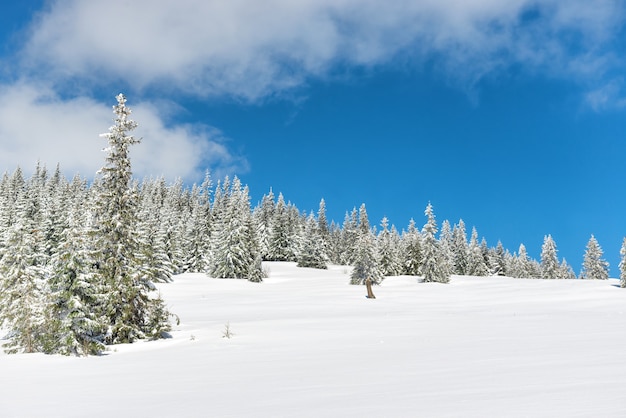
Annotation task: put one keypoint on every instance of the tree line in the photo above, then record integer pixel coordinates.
(78, 260)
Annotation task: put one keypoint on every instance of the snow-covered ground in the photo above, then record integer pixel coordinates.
(307, 344)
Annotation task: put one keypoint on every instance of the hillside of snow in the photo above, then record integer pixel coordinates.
(307, 344)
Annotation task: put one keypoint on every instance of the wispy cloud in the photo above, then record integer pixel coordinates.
(253, 49)
(608, 96)
(38, 125)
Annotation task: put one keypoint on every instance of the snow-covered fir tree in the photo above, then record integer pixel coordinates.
(550, 266)
(152, 253)
(348, 237)
(388, 243)
(236, 251)
(128, 305)
(594, 266)
(411, 251)
(263, 217)
(434, 267)
(324, 229)
(476, 265)
(446, 243)
(76, 327)
(521, 264)
(365, 258)
(565, 271)
(313, 253)
(322, 221)
(283, 239)
(24, 296)
(498, 260)
(197, 229)
(460, 248)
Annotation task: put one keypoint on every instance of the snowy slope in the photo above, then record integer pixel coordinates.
(307, 344)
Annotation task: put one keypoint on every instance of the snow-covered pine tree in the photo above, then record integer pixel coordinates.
(521, 264)
(476, 265)
(236, 252)
(197, 232)
(348, 237)
(446, 243)
(296, 222)
(175, 213)
(549, 262)
(322, 221)
(365, 257)
(566, 271)
(313, 253)
(324, 229)
(460, 249)
(23, 286)
(411, 254)
(128, 306)
(594, 266)
(75, 327)
(434, 267)
(498, 260)
(282, 246)
(263, 217)
(152, 254)
(54, 210)
(622, 265)
(387, 243)
(334, 243)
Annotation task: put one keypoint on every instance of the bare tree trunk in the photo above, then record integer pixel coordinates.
(368, 284)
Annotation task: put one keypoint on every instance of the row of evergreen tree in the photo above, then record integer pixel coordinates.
(78, 260)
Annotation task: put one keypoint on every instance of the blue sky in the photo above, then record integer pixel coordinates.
(509, 115)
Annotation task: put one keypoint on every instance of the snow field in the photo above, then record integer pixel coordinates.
(307, 344)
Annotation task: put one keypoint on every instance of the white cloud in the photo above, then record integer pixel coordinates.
(608, 96)
(252, 49)
(37, 125)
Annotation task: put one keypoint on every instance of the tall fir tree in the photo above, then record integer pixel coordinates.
(23, 284)
(387, 243)
(594, 266)
(460, 248)
(412, 256)
(348, 237)
(365, 257)
(313, 253)
(446, 244)
(76, 327)
(131, 311)
(282, 245)
(550, 266)
(263, 216)
(434, 267)
(476, 265)
(236, 251)
(498, 260)
(324, 228)
(521, 264)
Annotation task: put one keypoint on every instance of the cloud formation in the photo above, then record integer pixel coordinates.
(252, 49)
(36, 124)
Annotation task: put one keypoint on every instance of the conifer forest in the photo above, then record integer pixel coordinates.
(79, 258)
